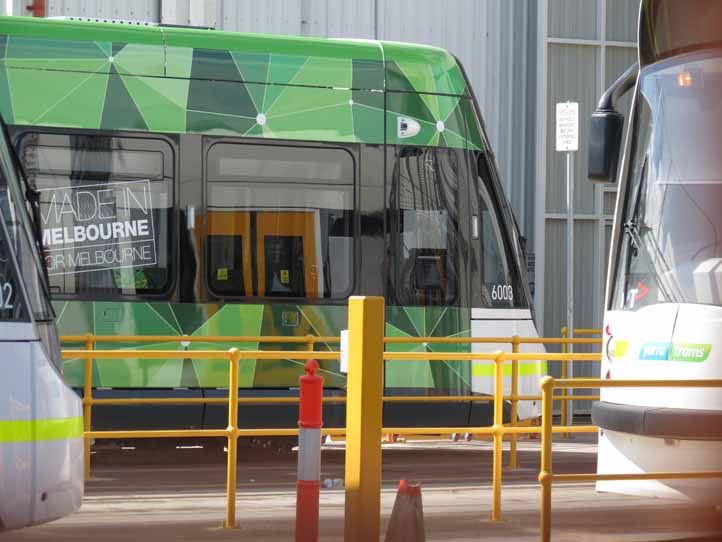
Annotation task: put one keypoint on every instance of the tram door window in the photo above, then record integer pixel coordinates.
(287, 262)
(425, 190)
(229, 249)
(105, 211)
(280, 221)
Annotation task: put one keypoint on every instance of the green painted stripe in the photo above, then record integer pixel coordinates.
(35, 430)
(528, 368)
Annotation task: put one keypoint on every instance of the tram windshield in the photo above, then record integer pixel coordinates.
(671, 244)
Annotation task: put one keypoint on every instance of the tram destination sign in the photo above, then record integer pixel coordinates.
(92, 227)
(567, 127)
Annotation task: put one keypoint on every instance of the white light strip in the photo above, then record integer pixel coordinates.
(500, 314)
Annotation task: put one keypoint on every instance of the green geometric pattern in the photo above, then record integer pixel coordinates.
(449, 376)
(176, 81)
(198, 320)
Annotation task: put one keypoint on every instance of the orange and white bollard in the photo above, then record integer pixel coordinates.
(310, 421)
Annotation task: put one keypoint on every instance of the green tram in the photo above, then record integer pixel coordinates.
(196, 182)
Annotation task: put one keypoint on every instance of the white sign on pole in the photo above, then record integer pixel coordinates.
(567, 127)
(568, 142)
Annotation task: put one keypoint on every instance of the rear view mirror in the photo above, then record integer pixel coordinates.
(605, 141)
(605, 130)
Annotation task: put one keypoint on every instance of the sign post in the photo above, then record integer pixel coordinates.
(567, 141)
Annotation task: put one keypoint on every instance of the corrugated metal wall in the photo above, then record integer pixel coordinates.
(144, 10)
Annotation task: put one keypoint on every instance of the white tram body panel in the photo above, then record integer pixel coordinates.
(42, 476)
(507, 323)
(41, 423)
(668, 342)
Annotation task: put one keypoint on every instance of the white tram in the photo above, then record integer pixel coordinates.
(663, 316)
(41, 425)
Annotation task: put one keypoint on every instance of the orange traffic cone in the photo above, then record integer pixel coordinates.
(407, 517)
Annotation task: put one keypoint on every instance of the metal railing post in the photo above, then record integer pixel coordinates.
(87, 403)
(232, 431)
(364, 411)
(310, 342)
(497, 431)
(545, 474)
(563, 403)
(513, 463)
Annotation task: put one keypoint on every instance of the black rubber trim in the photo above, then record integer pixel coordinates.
(659, 422)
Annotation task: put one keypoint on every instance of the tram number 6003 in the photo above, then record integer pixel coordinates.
(6, 295)
(502, 292)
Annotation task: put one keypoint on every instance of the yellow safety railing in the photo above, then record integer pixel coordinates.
(309, 341)
(364, 399)
(91, 340)
(363, 411)
(232, 432)
(564, 371)
(546, 474)
(498, 430)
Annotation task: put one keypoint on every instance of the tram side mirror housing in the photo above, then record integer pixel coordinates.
(605, 130)
(605, 142)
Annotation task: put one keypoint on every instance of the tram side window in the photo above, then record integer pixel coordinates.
(279, 221)
(105, 211)
(499, 285)
(425, 194)
(12, 303)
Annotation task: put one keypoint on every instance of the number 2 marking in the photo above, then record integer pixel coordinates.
(6, 294)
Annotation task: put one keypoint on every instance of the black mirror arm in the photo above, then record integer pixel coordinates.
(619, 88)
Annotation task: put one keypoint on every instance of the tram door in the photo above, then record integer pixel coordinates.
(279, 221)
(229, 240)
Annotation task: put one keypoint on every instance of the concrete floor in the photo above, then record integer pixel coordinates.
(166, 494)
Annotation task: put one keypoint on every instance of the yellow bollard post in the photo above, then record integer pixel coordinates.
(232, 430)
(87, 403)
(513, 463)
(363, 418)
(563, 403)
(498, 434)
(545, 474)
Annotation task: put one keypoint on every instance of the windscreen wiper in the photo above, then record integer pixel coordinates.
(632, 230)
(637, 244)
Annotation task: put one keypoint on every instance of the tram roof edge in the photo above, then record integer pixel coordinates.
(344, 63)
